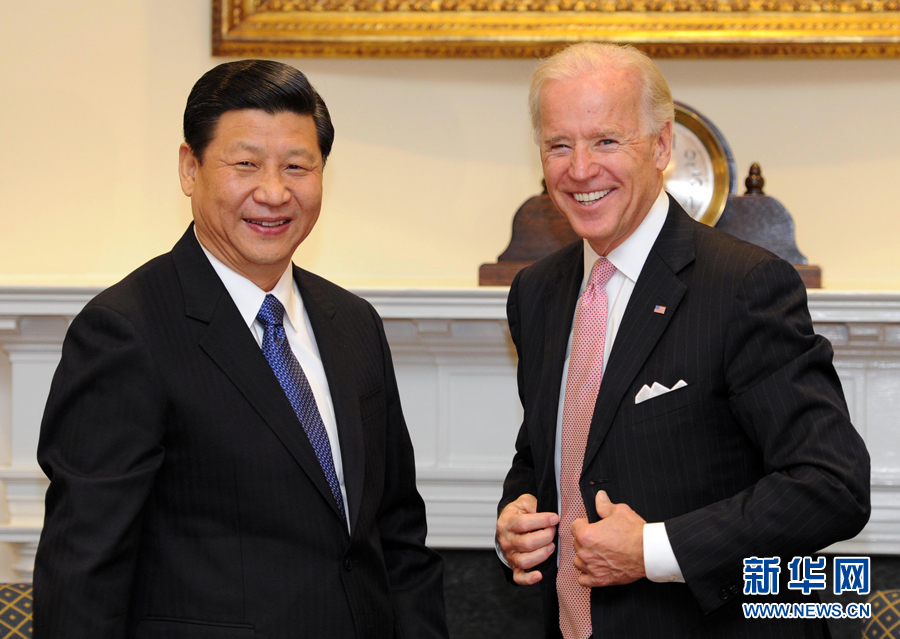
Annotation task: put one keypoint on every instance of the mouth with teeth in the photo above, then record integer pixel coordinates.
(590, 198)
(267, 223)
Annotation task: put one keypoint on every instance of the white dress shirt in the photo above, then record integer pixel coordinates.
(248, 298)
(660, 563)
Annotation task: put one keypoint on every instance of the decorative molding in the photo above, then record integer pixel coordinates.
(25, 488)
(539, 28)
(477, 302)
(462, 505)
(881, 535)
(54, 301)
(577, 6)
(854, 306)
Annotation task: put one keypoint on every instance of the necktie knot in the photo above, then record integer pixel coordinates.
(271, 313)
(602, 271)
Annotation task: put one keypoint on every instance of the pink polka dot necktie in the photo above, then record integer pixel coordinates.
(582, 385)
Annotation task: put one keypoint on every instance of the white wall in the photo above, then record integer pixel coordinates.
(431, 160)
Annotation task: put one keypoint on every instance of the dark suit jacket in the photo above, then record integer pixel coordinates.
(756, 456)
(185, 499)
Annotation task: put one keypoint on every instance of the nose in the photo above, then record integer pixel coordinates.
(583, 164)
(271, 189)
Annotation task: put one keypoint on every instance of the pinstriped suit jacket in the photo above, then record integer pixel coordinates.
(185, 500)
(756, 456)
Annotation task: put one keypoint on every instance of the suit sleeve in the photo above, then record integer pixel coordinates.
(100, 445)
(786, 396)
(521, 479)
(415, 572)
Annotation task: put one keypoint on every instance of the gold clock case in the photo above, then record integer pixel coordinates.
(724, 178)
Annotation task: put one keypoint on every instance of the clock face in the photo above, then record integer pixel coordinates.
(690, 177)
(701, 172)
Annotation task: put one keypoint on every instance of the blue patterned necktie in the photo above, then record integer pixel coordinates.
(293, 380)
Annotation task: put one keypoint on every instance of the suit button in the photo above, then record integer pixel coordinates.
(727, 592)
(348, 564)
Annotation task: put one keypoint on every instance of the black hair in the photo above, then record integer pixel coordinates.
(273, 87)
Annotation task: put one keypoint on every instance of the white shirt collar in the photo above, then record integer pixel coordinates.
(629, 256)
(248, 297)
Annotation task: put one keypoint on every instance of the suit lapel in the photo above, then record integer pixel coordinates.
(641, 327)
(230, 345)
(560, 297)
(344, 396)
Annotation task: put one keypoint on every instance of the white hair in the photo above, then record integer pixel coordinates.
(587, 58)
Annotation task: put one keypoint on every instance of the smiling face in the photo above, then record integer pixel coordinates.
(258, 192)
(603, 171)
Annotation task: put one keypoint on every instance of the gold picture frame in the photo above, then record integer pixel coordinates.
(538, 28)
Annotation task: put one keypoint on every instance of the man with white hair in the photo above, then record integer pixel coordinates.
(680, 414)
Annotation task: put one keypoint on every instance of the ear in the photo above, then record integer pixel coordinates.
(664, 147)
(187, 168)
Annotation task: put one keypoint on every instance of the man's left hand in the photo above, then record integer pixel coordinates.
(611, 551)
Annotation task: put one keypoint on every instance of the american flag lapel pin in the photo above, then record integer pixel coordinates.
(660, 310)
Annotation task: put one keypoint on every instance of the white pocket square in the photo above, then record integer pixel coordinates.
(649, 392)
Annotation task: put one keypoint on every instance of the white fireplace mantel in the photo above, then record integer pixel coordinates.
(456, 370)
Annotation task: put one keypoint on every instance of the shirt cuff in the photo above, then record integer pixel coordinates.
(660, 563)
(500, 552)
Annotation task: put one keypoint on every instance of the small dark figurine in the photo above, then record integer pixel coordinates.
(758, 218)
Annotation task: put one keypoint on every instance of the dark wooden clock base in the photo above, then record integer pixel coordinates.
(538, 229)
(811, 275)
(499, 274)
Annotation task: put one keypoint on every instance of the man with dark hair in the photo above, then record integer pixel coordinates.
(252, 84)
(224, 439)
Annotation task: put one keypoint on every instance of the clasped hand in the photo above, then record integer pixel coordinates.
(608, 552)
(526, 538)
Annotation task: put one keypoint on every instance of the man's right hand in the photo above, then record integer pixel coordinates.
(526, 538)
